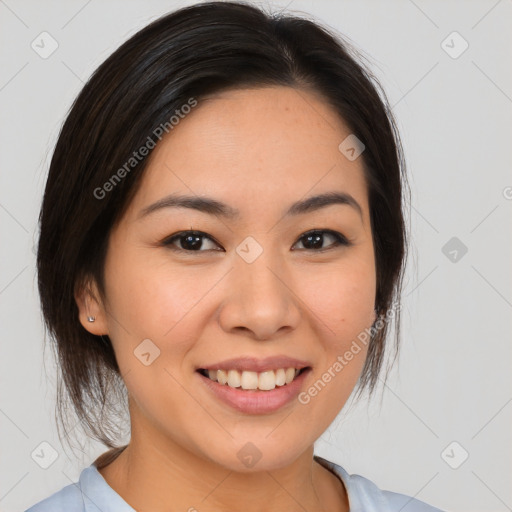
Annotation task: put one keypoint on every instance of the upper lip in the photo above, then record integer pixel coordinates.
(257, 365)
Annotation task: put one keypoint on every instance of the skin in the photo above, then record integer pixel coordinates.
(257, 150)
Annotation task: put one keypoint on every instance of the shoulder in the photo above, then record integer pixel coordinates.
(68, 499)
(90, 494)
(387, 500)
(72, 498)
(365, 496)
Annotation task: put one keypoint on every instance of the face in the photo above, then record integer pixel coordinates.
(262, 283)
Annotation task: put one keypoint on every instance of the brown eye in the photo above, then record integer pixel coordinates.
(313, 240)
(193, 241)
(190, 241)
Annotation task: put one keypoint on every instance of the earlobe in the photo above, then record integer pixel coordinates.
(91, 311)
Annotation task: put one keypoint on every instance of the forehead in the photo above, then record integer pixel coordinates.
(254, 147)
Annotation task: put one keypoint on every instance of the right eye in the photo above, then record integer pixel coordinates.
(190, 241)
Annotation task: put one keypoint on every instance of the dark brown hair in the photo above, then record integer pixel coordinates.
(195, 51)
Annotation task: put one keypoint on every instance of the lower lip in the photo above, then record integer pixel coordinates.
(256, 401)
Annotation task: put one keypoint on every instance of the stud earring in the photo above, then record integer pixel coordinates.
(91, 318)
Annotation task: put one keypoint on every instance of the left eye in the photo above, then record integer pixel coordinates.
(192, 241)
(315, 239)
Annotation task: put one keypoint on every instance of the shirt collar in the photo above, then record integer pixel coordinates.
(98, 496)
(362, 494)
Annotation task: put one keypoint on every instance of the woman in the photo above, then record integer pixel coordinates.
(222, 237)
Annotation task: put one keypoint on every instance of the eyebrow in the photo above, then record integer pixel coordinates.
(213, 207)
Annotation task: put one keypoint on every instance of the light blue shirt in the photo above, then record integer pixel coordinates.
(93, 494)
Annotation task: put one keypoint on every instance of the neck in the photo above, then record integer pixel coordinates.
(150, 477)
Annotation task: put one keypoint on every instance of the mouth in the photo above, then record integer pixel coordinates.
(254, 381)
(254, 393)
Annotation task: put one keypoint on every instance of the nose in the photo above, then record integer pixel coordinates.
(260, 299)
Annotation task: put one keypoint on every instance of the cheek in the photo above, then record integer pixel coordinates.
(343, 303)
(344, 300)
(147, 296)
(149, 302)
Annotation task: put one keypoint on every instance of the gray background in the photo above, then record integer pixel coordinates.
(453, 380)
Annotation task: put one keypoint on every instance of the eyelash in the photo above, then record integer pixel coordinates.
(340, 240)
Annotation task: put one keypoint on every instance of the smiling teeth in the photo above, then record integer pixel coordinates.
(264, 381)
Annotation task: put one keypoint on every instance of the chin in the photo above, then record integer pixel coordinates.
(256, 455)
